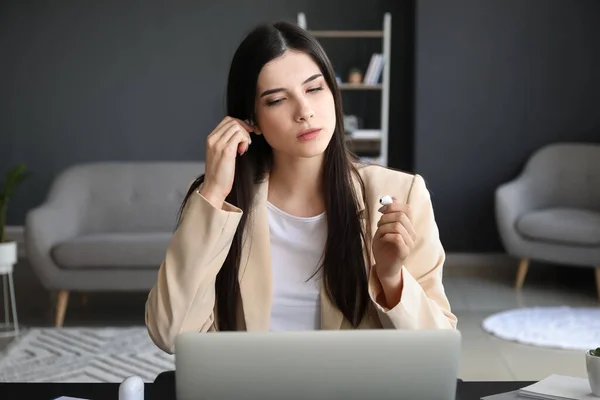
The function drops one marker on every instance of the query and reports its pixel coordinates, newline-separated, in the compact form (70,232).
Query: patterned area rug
(571,328)
(83,355)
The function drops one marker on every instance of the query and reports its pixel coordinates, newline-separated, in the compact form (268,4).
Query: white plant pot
(8,256)
(593,370)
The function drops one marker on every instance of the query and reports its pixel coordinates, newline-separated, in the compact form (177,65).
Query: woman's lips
(309,134)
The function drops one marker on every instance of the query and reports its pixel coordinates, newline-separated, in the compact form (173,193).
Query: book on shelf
(374,69)
(370,160)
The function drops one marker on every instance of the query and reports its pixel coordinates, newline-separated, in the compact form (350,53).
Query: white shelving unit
(385,35)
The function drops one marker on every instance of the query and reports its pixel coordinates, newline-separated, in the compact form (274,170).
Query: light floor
(487,358)
(474,294)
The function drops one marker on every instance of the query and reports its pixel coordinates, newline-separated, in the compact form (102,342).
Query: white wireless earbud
(132,388)
(385,200)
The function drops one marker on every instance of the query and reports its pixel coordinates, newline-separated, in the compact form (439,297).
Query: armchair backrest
(567,173)
(120,197)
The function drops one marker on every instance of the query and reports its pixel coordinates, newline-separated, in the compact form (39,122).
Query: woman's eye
(273,102)
(316,89)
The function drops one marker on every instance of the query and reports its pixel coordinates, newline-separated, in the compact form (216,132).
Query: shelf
(359,86)
(350,138)
(365,141)
(364,135)
(347,34)
(370,144)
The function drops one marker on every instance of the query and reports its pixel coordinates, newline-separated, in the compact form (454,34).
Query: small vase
(593,371)
(8,257)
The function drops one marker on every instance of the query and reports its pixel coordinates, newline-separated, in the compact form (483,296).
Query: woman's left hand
(394,239)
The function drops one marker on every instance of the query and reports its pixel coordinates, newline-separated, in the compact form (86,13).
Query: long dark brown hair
(343,262)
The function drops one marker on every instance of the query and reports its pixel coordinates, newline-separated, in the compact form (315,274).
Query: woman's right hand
(230,138)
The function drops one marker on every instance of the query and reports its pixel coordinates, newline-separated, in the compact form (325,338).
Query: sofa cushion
(568,226)
(114,250)
(127,197)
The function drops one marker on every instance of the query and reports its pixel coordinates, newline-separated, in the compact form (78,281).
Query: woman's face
(295,110)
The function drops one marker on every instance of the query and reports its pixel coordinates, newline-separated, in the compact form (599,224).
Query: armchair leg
(61,307)
(598,282)
(521,273)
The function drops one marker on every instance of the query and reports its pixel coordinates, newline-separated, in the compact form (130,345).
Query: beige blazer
(183,298)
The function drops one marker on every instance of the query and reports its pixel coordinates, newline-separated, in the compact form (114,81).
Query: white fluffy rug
(83,355)
(558,327)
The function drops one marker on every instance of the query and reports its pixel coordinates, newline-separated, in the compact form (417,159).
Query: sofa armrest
(45,227)
(513,199)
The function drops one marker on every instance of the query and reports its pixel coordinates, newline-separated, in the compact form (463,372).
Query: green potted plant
(592,361)
(8,250)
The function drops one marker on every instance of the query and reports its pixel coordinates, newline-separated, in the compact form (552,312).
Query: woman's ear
(256,130)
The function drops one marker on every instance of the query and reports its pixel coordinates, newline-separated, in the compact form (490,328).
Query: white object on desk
(559,387)
(69,398)
(132,388)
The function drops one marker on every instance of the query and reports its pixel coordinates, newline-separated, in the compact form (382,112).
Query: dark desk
(165,390)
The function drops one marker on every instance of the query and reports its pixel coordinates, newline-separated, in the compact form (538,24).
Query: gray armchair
(106,226)
(551,212)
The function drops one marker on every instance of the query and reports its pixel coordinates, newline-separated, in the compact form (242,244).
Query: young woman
(284,231)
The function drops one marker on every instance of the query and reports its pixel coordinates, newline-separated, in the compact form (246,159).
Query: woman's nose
(305,111)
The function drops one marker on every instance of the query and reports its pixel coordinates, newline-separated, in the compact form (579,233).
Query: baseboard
(499,260)
(478,264)
(455,262)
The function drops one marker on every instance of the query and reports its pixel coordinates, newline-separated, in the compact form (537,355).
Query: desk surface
(109,391)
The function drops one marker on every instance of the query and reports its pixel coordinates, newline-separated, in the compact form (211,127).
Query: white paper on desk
(69,398)
(514,395)
(559,387)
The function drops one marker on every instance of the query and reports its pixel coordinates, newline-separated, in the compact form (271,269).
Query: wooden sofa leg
(61,307)
(598,282)
(522,273)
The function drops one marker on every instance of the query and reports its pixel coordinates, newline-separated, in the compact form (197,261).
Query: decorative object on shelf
(8,251)
(375,79)
(355,76)
(351,123)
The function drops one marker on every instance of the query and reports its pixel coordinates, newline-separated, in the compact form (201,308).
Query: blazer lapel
(255,270)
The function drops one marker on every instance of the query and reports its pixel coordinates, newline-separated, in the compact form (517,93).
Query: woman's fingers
(398,217)
(396,228)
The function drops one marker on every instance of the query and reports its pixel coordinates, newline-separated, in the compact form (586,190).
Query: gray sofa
(551,211)
(106,226)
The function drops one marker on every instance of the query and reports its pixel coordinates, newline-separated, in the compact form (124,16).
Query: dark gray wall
(497,79)
(144,80)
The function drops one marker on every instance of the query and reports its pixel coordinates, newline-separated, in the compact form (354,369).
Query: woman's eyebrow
(271,91)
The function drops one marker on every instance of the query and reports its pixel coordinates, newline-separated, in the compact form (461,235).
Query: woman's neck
(295,186)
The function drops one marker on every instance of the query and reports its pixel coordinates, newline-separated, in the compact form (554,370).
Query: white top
(297,246)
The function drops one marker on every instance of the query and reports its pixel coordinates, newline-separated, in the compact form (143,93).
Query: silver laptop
(316,365)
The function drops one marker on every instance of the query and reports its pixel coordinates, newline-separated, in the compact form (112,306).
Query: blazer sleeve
(423,302)
(183,298)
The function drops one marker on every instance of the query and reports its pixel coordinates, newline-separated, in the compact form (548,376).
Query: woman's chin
(312,151)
